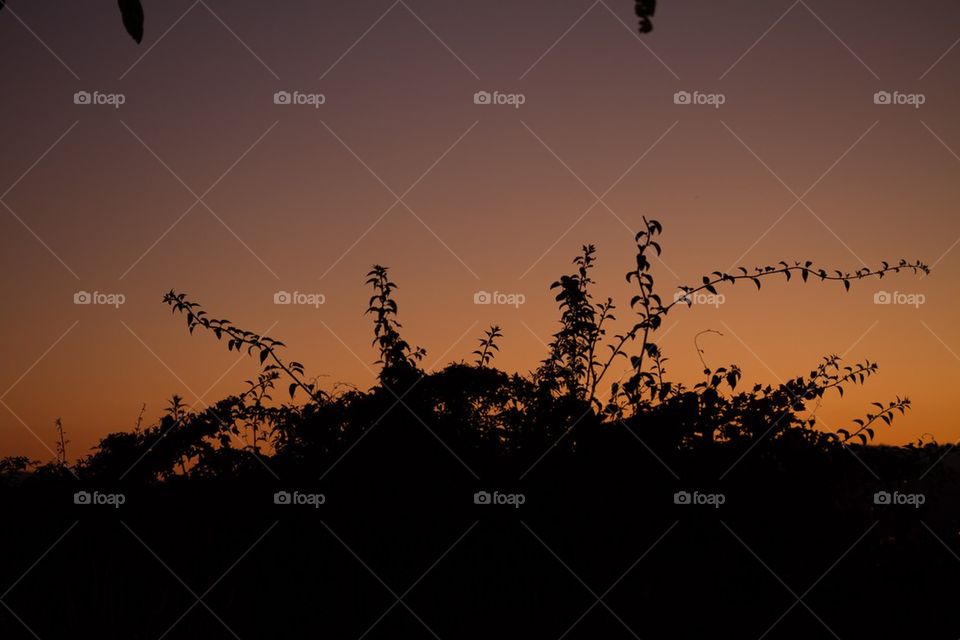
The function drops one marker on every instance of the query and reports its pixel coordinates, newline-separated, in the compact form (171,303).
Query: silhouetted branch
(238,339)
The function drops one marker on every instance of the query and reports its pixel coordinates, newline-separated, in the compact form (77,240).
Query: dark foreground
(399,549)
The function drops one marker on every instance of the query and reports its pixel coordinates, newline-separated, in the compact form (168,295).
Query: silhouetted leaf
(132,13)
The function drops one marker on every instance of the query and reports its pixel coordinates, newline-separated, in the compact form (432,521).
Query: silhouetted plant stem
(238,338)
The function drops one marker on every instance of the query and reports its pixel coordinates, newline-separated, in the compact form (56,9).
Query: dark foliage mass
(598,461)
(569,402)
(400,462)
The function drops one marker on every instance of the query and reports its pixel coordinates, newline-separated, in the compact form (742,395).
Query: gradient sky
(493,197)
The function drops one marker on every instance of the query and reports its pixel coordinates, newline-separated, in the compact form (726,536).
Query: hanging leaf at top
(132,13)
(645,11)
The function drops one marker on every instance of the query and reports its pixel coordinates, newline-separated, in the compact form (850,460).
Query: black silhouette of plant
(131,11)
(571,364)
(498,415)
(488,344)
(239,339)
(61,443)
(398,359)
(645,10)
(650,308)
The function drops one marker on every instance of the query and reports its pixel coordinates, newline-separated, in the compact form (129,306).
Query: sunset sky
(200,183)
